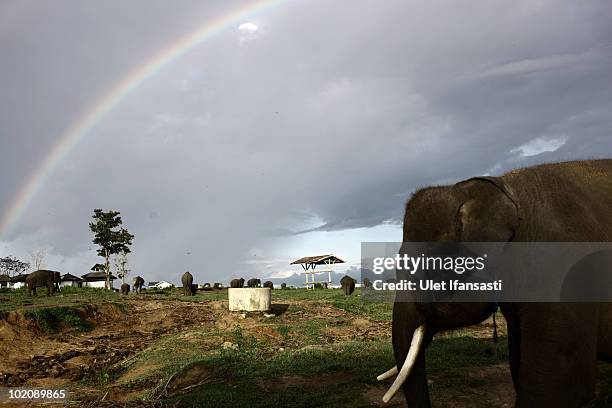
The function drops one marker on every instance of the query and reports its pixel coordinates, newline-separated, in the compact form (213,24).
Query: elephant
(43,278)
(254,283)
(366,283)
(283,285)
(187,281)
(348,285)
(57,278)
(217,286)
(137,284)
(125,288)
(553,347)
(268,284)
(237,283)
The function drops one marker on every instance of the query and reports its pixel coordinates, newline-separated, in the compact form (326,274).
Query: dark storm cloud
(326,118)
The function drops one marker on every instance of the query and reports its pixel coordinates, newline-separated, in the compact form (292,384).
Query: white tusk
(387,374)
(411,358)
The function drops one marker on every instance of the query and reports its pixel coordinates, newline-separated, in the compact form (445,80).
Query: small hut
(309,263)
(71,280)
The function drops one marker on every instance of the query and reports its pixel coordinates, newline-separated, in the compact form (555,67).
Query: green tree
(12,266)
(110,237)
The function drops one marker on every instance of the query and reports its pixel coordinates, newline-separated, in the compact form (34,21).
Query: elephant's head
(475,210)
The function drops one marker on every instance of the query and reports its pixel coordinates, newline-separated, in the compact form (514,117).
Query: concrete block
(249,299)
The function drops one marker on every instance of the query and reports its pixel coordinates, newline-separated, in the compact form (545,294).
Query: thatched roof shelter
(310,262)
(318,260)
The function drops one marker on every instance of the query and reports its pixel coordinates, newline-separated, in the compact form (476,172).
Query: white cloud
(248,27)
(534,65)
(248,32)
(539,145)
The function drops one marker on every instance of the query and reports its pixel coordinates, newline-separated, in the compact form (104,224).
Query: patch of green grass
(156,291)
(52,319)
(363,360)
(604,394)
(303,294)
(242,372)
(249,394)
(355,305)
(19,299)
(447,353)
(284,332)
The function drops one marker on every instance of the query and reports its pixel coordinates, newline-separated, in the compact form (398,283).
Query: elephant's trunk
(409,342)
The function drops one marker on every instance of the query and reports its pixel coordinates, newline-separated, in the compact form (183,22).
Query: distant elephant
(218,286)
(187,281)
(552,347)
(137,284)
(283,285)
(366,283)
(194,289)
(125,288)
(254,283)
(57,278)
(41,278)
(237,283)
(268,284)
(348,285)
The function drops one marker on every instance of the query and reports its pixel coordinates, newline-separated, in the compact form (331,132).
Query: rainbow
(80,128)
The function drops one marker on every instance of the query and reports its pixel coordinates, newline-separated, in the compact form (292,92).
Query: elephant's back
(569,201)
(38,275)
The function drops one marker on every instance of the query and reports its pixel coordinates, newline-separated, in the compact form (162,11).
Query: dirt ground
(97,364)
(36,358)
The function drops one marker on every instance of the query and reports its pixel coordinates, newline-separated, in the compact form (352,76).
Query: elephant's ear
(488,210)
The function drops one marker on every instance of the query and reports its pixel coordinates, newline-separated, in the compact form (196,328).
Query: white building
(97,279)
(18,281)
(160,285)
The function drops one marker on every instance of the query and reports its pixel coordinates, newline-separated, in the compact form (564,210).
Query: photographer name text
(431,285)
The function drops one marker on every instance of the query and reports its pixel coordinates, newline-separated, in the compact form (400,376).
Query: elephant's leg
(514,351)
(514,339)
(604,344)
(558,347)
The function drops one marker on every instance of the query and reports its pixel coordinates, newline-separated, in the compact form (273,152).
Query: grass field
(317,349)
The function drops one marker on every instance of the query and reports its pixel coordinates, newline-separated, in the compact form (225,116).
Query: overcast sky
(318,117)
